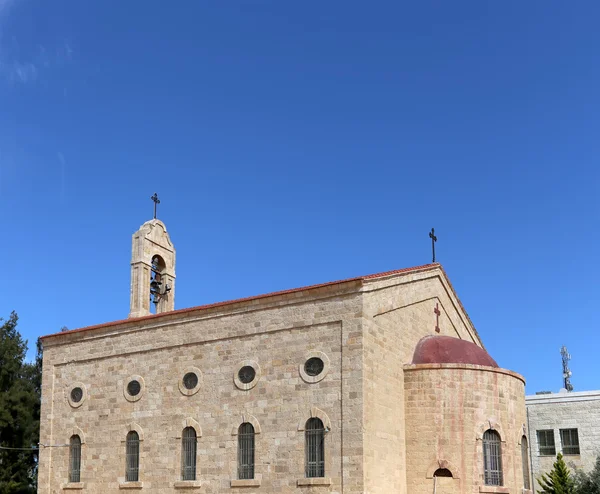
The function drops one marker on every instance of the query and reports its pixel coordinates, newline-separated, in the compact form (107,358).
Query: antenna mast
(566,372)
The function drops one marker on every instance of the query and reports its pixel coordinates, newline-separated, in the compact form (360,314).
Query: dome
(448,350)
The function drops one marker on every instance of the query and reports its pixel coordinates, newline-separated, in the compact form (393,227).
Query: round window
(76,394)
(314,366)
(247,374)
(134,387)
(190,380)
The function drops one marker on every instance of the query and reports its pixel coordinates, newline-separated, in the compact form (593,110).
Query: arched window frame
(492,458)
(189,448)
(132,456)
(246,451)
(314,434)
(75,459)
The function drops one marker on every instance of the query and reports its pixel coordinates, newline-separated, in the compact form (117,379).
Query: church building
(374,384)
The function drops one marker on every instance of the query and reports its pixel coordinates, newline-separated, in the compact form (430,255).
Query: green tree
(588,483)
(20,384)
(559,480)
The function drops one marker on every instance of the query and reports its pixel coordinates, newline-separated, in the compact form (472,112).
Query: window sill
(73,486)
(131,485)
(494,489)
(187,484)
(314,481)
(245,483)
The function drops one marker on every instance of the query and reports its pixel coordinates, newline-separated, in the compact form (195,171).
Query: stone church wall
(398,313)
(448,409)
(277,334)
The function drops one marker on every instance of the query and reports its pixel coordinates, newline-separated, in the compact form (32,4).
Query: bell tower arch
(152,270)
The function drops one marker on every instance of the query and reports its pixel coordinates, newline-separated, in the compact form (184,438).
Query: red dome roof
(448,350)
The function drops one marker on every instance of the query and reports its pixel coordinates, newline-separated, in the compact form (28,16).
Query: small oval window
(76,394)
(247,374)
(190,380)
(314,366)
(134,387)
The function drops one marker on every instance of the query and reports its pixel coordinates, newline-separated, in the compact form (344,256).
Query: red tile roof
(246,299)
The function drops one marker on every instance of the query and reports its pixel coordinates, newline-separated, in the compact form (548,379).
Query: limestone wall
(398,313)
(578,410)
(278,335)
(448,408)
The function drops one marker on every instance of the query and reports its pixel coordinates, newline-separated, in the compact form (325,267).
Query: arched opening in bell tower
(158,286)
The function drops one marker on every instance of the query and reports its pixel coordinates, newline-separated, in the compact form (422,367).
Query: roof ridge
(247,299)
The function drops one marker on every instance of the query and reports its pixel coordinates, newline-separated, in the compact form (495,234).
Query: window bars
(546,442)
(246,451)
(188,454)
(570,441)
(75,459)
(492,458)
(315,448)
(132,457)
(525,461)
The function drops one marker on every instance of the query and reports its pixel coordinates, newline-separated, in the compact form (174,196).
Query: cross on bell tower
(156,202)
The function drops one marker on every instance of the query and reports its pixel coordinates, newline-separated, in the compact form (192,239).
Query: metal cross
(437,318)
(433,241)
(156,201)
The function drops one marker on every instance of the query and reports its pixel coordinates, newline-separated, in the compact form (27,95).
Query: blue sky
(294,143)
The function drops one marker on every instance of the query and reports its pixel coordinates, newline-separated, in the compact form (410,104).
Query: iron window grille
(188,454)
(525,461)
(315,448)
(492,458)
(75,459)
(132,457)
(246,451)
(546,442)
(569,439)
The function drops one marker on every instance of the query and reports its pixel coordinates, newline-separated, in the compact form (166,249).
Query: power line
(19,449)
(33,448)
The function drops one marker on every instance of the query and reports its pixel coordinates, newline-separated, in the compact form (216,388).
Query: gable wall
(399,312)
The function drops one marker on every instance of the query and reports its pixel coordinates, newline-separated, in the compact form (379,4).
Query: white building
(564,423)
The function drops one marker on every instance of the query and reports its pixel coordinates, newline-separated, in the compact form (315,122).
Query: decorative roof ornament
(156,201)
(433,241)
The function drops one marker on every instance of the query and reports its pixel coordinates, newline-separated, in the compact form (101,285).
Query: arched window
(525,460)
(492,458)
(315,448)
(246,451)
(442,472)
(75,459)
(188,454)
(132,457)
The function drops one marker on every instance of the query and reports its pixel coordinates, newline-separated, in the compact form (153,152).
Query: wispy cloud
(4,5)
(15,68)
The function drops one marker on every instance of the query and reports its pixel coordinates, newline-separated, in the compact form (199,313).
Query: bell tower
(152,269)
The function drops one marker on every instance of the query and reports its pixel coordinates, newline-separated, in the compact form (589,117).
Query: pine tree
(559,480)
(19,412)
